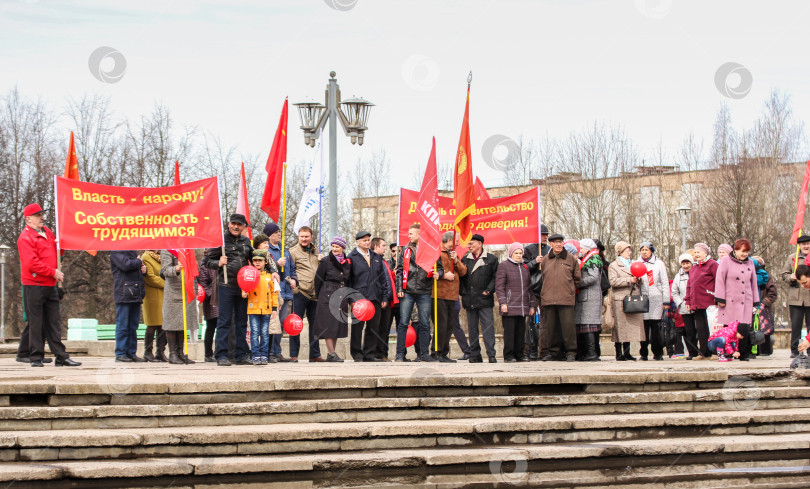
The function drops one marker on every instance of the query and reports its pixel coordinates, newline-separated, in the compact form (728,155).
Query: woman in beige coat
(628,327)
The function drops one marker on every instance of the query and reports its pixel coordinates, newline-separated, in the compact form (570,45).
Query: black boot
(174,348)
(627,355)
(160,346)
(580,347)
(619,354)
(148,341)
(590,349)
(597,345)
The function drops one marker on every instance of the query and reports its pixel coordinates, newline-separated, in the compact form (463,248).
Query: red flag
(177,172)
(271,199)
(190,271)
(72,163)
(799,223)
(427,213)
(242,201)
(463,188)
(480,190)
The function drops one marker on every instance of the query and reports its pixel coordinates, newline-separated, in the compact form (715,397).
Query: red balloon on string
(363,310)
(638,269)
(248,278)
(410,337)
(293,325)
(200,293)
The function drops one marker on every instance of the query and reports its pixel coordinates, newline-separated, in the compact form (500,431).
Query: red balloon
(410,337)
(293,325)
(248,278)
(638,269)
(363,310)
(200,293)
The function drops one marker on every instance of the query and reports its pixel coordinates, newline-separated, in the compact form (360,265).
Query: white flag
(311,199)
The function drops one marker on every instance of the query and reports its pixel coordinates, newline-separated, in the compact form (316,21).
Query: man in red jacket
(37,248)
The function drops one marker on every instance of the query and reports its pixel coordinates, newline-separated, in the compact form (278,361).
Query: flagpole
(283,212)
(56,226)
(795,260)
(183,287)
(435,310)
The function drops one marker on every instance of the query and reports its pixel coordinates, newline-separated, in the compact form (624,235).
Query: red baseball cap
(32,209)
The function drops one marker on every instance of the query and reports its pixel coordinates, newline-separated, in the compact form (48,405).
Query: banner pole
(283,212)
(56,225)
(435,310)
(795,260)
(185,320)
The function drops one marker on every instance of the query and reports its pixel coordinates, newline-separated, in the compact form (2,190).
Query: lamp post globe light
(354,122)
(684,212)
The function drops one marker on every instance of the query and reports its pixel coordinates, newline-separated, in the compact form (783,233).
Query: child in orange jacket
(262,307)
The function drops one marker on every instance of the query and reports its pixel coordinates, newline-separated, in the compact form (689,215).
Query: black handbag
(633,304)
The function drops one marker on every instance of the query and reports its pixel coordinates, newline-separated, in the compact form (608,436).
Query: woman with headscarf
(654,285)
(628,327)
(736,293)
(767,297)
(333,276)
(700,295)
(515,301)
(588,309)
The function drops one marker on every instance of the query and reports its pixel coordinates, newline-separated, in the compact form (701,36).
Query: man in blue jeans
(230,303)
(286,269)
(128,293)
(305,259)
(413,288)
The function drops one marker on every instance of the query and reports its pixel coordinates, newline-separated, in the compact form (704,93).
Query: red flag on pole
(480,190)
(186,256)
(72,163)
(427,213)
(271,199)
(177,172)
(242,206)
(799,223)
(463,188)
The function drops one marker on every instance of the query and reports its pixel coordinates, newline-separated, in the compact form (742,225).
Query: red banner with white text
(501,220)
(102,217)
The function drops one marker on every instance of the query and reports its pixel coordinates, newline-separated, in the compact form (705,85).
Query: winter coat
(128,286)
(797,295)
(238,250)
(208,280)
(588,308)
(173,296)
(658,292)
(418,281)
(679,285)
(700,287)
(331,314)
(306,264)
(263,300)
(370,278)
(736,287)
(512,289)
(288,272)
(153,300)
(449,289)
(729,333)
(37,257)
(480,278)
(626,327)
(561,278)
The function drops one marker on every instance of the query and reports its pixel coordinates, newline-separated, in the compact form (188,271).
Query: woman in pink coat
(736,292)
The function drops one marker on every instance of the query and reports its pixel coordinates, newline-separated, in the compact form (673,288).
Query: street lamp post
(684,213)
(354,122)
(3,250)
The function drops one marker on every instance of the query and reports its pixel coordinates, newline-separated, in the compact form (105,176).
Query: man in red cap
(37,248)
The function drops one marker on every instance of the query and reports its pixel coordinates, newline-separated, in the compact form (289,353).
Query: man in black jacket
(413,288)
(230,304)
(532,253)
(370,278)
(128,293)
(477,289)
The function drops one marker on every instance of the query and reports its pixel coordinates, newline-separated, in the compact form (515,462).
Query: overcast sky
(540,68)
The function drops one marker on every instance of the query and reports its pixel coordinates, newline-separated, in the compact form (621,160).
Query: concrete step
(197,441)
(10,350)
(722,461)
(389,409)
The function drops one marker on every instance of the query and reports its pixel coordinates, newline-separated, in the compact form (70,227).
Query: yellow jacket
(264,298)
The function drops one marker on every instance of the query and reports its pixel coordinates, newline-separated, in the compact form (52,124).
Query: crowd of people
(554,297)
